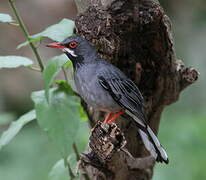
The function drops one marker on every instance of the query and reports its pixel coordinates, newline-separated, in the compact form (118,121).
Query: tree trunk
(134,35)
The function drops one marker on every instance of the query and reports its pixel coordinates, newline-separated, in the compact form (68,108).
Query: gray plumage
(89,87)
(105,87)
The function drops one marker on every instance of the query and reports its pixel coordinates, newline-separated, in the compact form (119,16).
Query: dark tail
(153,145)
(150,141)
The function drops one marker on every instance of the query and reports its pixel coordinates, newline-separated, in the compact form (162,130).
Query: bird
(106,88)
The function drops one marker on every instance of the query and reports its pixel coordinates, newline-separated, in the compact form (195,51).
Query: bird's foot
(108,117)
(112,116)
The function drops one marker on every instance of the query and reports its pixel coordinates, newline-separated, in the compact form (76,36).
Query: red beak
(55,45)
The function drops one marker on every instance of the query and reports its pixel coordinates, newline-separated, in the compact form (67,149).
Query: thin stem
(26,33)
(13,24)
(66,164)
(34,68)
(74,146)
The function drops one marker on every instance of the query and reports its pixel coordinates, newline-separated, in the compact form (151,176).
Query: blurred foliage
(56,32)
(57,110)
(59,116)
(14,61)
(5,18)
(52,69)
(31,156)
(15,127)
(183,135)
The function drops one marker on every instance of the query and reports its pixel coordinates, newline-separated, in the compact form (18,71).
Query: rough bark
(136,37)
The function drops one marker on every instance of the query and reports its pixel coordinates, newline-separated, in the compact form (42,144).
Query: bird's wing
(128,96)
(125,93)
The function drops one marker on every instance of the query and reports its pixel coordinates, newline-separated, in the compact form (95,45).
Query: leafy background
(31,155)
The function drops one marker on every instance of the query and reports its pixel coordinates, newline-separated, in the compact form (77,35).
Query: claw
(115,117)
(108,117)
(112,116)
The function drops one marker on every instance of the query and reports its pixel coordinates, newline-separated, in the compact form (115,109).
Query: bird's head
(77,49)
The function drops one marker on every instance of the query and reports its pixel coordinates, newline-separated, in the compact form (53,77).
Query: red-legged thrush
(105,87)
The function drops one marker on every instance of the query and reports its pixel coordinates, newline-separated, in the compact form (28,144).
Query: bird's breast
(89,88)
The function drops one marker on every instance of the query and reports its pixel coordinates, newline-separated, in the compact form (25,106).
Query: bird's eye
(73,44)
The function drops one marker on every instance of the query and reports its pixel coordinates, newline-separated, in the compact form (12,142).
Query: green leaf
(60,117)
(56,32)
(5,18)
(82,138)
(83,114)
(15,127)
(51,70)
(60,172)
(6,118)
(67,64)
(14,61)
(26,43)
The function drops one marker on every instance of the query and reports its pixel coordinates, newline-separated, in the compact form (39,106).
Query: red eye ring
(73,44)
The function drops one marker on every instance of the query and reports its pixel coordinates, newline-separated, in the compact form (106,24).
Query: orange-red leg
(108,117)
(115,117)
